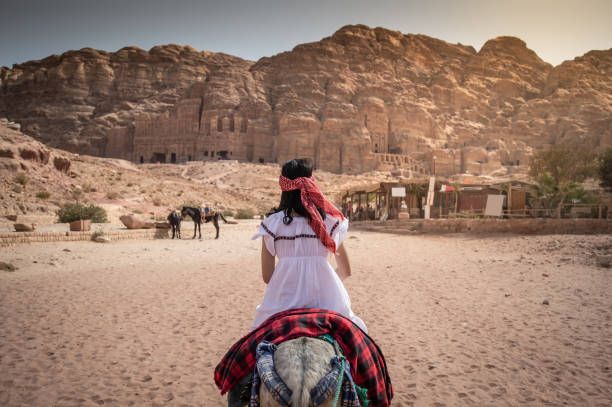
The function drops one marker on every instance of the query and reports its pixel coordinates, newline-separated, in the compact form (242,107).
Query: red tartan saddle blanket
(367,362)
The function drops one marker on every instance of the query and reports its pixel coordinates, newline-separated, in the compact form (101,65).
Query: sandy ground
(460,318)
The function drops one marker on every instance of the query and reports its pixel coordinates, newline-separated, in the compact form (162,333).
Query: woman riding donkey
(304,297)
(302,231)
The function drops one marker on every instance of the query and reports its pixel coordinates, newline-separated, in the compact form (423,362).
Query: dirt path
(462,320)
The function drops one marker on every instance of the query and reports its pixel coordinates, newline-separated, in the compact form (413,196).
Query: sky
(34,29)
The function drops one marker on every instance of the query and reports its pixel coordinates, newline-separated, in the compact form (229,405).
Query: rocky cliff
(361,99)
(72,100)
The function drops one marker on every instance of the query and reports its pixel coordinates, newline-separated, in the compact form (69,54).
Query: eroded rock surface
(70,101)
(358,100)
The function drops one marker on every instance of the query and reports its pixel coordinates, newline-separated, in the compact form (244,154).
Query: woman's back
(297,239)
(303,277)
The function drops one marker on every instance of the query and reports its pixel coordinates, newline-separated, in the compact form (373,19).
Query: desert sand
(461,319)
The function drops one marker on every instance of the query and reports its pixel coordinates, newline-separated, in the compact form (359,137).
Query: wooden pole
(456,188)
(388,203)
(509,200)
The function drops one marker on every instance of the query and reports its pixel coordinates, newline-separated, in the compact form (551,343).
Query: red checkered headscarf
(311,199)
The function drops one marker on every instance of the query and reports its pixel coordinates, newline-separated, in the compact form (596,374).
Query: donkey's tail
(223,217)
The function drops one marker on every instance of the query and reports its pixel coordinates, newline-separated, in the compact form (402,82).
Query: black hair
(291,201)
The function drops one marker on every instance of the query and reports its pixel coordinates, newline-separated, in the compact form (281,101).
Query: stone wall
(7,239)
(527,226)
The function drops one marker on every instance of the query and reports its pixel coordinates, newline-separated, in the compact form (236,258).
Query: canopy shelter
(471,199)
(516,196)
(384,201)
(363,203)
(392,200)
(407,199)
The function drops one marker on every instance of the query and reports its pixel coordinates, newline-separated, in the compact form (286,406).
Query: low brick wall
(7,239)
(526,226)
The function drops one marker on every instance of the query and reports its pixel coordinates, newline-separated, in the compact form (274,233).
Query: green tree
(605,169)
(559,172)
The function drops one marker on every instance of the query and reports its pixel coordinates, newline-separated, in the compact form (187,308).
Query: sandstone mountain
(72,100)
(359,100)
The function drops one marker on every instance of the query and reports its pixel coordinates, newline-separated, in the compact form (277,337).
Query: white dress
(303,276)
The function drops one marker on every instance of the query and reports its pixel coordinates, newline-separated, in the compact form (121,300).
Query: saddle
(207,213)
(366,362)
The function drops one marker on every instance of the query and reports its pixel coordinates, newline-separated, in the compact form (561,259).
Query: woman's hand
(342,260)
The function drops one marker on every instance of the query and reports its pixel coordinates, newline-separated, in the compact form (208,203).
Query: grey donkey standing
(301,363)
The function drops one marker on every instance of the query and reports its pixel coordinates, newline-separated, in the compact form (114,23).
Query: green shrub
(17,189)
(245,213)
(228,213)
(43,194)
(21,178)
(71,212)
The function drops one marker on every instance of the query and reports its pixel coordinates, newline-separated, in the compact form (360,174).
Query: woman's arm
(342,260)
(267,263)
